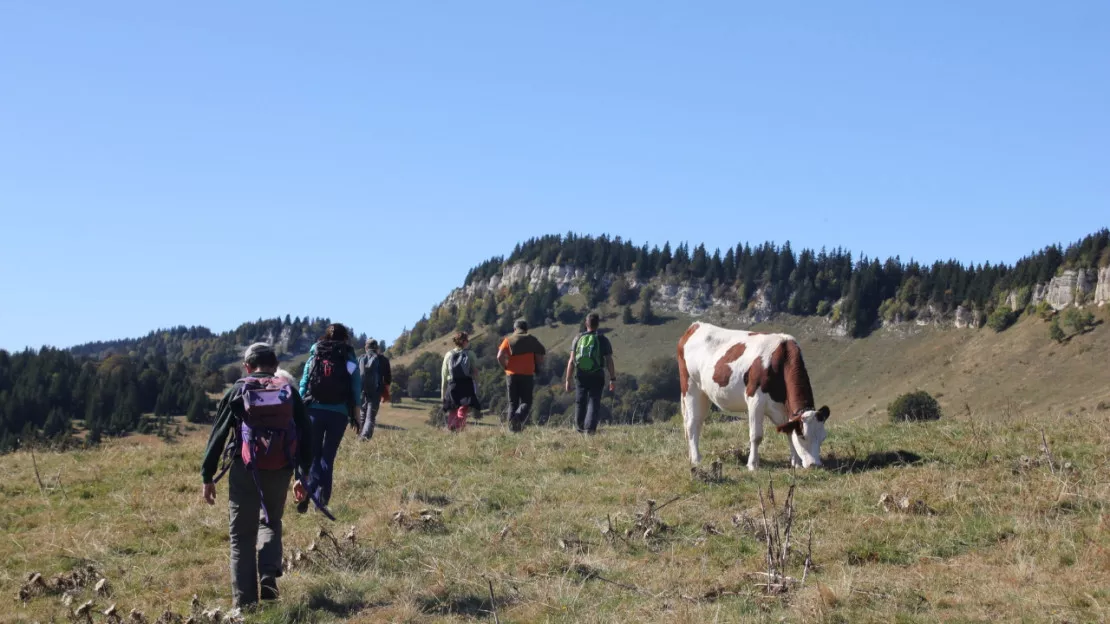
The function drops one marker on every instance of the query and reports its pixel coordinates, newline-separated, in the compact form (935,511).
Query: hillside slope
(992,374)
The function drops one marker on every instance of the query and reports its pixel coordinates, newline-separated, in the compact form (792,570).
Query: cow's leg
(756,405)
(695,406)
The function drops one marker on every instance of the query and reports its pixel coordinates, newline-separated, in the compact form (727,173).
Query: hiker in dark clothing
(590,356)
(256,496)
(520,354)
(331,386)
(459,383)
(376,379)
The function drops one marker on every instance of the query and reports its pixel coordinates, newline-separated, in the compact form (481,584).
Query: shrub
(1054,331)
(1078,319)
(824,307)
(914,406)
(1001,318)
(626,316)
(567,313)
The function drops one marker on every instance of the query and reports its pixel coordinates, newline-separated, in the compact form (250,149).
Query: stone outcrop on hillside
(1079,286)
(1102,286)
(1074,287)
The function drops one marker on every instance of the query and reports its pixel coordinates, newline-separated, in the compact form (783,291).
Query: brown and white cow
(763,373)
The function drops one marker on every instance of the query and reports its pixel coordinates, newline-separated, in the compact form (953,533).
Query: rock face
(966,317)
(562,276)
(1073,287)
(1102,286)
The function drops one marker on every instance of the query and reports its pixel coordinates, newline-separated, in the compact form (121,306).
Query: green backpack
(587,355)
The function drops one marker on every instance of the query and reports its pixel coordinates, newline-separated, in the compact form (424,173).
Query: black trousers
(520,399)
(587,408)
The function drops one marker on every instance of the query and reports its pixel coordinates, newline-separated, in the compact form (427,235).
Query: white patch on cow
(702,351)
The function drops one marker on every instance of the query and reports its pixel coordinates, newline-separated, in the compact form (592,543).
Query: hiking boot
(269,590)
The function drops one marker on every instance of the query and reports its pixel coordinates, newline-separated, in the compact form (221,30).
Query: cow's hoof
(753,467)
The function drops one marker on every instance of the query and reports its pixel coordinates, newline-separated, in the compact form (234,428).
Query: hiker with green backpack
(591,356)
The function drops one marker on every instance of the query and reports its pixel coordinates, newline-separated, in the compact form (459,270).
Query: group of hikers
(272,429)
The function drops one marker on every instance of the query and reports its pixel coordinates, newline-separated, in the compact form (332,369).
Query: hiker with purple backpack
(270,441)
(332,388)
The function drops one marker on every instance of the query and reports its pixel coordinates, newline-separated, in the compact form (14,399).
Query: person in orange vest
(520,354)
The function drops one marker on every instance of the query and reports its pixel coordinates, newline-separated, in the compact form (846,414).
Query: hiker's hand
(566,386)
(210,493)
(612,386)
(299,491)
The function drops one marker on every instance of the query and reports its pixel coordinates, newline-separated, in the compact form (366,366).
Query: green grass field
(978,523)
(999,534)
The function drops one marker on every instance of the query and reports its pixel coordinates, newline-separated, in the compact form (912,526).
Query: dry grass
(1011,538)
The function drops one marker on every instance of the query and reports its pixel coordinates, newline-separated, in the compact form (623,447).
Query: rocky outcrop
(1102,286)
(1072,287)
(966,317)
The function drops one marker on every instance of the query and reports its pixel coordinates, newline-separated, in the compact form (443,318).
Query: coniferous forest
(121,386)
(855,291)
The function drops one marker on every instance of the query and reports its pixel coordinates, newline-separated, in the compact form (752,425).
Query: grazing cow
(763,372)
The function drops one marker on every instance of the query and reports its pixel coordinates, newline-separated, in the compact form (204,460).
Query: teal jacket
(356,384)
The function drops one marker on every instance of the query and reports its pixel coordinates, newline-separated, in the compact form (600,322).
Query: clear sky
(208,163)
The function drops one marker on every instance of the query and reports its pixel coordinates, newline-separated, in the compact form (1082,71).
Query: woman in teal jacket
(329,395)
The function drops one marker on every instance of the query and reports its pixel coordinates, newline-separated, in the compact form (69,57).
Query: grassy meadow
(979,525)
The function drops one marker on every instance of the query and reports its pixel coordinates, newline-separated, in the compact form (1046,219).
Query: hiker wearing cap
(376,379)
(520,354)
(270,438)
(331,386)
(458,378)
(591,356)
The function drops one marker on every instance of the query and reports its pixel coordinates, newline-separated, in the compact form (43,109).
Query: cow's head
(807,432)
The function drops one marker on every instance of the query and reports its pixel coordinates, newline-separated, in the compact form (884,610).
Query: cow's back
(716,359)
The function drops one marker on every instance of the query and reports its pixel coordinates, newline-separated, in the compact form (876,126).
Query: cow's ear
(823,413)
(793,426)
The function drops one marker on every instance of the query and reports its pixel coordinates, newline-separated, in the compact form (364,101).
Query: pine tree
(198,409)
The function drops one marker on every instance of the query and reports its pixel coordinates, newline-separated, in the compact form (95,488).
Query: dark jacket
(227,420)
(383,368)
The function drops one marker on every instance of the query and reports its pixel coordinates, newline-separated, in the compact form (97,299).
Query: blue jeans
(327,432)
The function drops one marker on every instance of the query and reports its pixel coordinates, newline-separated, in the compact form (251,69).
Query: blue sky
(210,163)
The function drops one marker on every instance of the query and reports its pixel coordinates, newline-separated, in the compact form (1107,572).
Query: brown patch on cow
(722,372)
(785,379)
(799,392)
(751,333)
(768,379)
(683,372)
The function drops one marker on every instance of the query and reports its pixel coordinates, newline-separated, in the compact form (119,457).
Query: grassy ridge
(1011,539)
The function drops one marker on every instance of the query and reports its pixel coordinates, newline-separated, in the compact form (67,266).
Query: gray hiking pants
(255,544)
(369,416)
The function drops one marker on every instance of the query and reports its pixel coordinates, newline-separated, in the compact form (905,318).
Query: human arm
(503,355)
(566,377)
(303,386)
(304,437)
(217,442)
